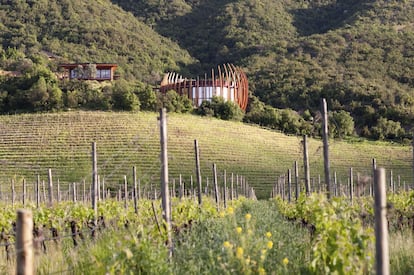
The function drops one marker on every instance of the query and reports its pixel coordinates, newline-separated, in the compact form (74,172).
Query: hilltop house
(90,71)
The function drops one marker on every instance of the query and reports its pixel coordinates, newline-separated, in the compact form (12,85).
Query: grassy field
(32,143)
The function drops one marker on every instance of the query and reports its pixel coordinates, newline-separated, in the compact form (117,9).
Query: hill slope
(89,31)
(30,144)
(357,54)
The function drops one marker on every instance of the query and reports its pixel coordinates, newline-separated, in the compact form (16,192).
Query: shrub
(124,98)
(173,102)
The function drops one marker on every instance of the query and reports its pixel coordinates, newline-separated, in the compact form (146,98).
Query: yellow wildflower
(227,244)
(262,271)
(248,217)
(221,214)
(230,210)
(263,251)
(269,244)
(268,234)
(239,230)
(249,232)
(285,261)
(239,253)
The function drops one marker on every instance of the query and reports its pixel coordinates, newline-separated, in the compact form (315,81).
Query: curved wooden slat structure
(230,83)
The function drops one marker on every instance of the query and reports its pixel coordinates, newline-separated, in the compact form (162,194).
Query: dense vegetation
(357,54)
(310,236)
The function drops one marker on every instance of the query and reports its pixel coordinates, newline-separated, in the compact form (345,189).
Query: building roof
(98,65)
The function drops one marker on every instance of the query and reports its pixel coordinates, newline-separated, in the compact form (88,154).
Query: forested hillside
(89,31)
(357,54)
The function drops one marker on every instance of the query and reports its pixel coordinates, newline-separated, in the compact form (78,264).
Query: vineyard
(310,236)
(49,166)
(30,144)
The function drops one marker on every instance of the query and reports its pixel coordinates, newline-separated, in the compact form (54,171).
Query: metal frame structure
(230,82)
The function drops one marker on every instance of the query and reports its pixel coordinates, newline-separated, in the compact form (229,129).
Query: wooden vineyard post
(94,185)
(24,192)
(216,191)
(326,147)
(412,181)
(180,190)
(164,178)
(99,188)
(50,186)
(198,172)
(351,184)
(84,190)
(58,191)
(37,193)
(237,187)
(225,190)
(134,179)
(289,185)
(306,165)
(335,185)
(103,193)
(173,188)
(74,192)
(381,227)
(24,243)
(297,184)
(13,192)
(232,187)
(374,167)
(125,192)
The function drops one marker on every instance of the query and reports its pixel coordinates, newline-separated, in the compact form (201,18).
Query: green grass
(211,247)
(401,252)
(32,143)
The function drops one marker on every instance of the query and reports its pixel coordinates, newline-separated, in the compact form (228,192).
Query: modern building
(90,71)
(228,82)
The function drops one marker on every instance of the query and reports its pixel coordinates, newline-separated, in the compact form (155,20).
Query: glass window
(104,74)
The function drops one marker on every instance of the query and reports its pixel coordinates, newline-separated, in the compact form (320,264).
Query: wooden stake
(164,178)
(325,136)
(381,229)
(306,165)
(198,172)
(50,188)
(24,243)
(134,179)
(216,191)
(94,185)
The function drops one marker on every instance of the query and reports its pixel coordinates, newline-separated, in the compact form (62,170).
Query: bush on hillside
(219,108)
(173,102)
(147,96)
(123,97)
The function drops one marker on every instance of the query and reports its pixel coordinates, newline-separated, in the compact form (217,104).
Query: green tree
(387,129)
(38,95)
(173,102)
(341,124)
(147,96)
(205,109)
(124,98)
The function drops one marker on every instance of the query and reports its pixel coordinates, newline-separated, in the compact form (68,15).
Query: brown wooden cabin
(90,71)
